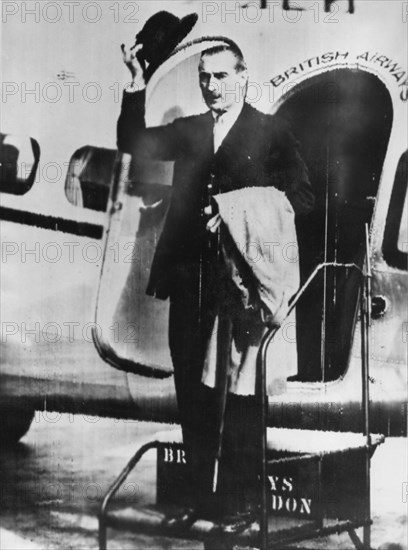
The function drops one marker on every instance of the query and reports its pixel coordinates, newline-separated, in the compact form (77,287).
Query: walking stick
(222,367)
(224,334)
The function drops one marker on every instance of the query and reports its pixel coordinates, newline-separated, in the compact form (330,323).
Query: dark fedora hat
(160,35)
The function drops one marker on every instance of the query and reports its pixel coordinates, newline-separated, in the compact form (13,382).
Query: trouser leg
(190,325)
(239,488)
(188,334)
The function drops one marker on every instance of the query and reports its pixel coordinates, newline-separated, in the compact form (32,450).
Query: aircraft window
(19,158)
(395,246)
(89,176)
(342,119)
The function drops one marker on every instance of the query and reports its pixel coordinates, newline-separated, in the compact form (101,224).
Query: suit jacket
(259,150)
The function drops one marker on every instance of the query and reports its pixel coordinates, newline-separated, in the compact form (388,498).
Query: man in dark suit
(232,146)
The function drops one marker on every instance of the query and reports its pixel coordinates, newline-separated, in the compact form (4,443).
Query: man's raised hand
(133,64)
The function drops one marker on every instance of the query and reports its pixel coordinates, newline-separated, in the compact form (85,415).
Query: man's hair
(230,47)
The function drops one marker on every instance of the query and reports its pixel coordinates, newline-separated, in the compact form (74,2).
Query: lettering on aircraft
(377,60)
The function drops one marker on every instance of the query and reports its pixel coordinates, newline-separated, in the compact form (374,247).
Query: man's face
(221,85)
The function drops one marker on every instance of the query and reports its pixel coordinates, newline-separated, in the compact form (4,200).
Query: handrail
(365,373)
(113,489)
(306,284)
(261,387)
(124,474)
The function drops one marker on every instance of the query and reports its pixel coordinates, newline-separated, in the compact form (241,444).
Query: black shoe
(217,545)
(230,526)
(235,524)
(182,520)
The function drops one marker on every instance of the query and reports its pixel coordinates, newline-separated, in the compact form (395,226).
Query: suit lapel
(241,139)
(203,137)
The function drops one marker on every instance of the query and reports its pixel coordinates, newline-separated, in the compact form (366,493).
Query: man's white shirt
(224,122)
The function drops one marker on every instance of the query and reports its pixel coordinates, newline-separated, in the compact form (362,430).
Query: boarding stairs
(329,472)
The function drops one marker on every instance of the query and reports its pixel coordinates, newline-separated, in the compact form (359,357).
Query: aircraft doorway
(343,120)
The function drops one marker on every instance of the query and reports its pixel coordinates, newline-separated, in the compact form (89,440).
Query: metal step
(282,530)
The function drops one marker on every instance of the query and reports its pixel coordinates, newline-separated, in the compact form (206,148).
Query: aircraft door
(130,325)
(131,329)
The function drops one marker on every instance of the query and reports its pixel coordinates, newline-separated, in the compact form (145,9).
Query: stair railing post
(365,372)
